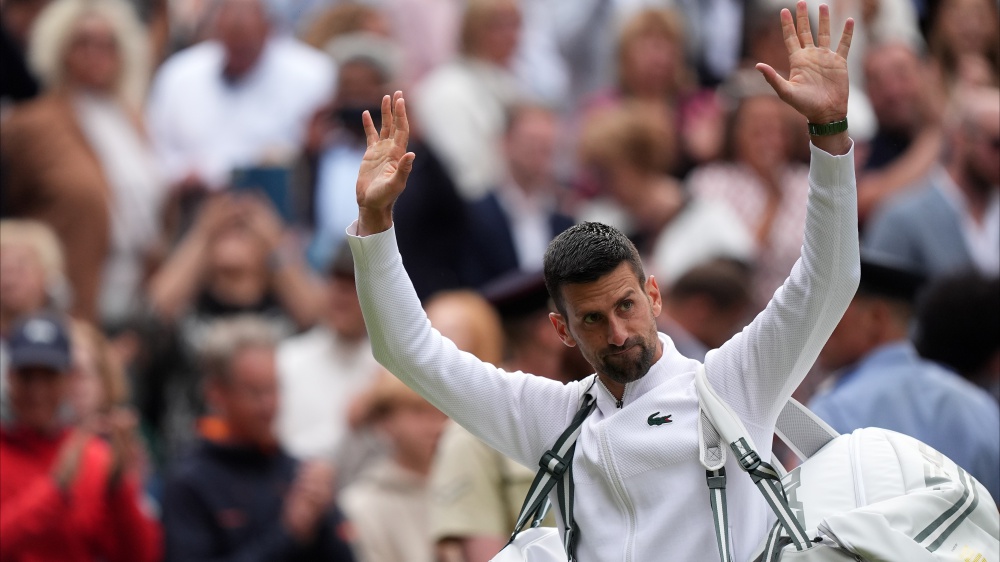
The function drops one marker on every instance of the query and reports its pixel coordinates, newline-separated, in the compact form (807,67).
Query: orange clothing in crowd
(39,523)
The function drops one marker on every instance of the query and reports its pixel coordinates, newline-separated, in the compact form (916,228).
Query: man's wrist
(836,145)
(373,221)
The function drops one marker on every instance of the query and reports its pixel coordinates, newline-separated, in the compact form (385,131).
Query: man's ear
(559,323)
(653,293)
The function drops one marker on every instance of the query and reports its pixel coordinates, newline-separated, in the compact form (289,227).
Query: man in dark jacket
(237,496)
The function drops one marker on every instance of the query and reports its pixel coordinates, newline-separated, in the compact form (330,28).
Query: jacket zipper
(619,489)
(619,402)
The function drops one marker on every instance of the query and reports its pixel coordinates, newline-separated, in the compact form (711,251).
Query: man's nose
(617,333)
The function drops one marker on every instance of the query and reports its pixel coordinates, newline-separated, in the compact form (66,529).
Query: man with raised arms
(640,489)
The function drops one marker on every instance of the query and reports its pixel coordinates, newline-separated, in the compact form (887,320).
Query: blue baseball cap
(39,340)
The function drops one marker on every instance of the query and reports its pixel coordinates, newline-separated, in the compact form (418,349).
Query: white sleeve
(756,371)
(517,414)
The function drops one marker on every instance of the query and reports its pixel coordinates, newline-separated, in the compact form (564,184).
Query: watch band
(828,128)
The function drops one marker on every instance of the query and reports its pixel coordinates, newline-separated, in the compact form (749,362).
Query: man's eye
(591,318)
(627,305)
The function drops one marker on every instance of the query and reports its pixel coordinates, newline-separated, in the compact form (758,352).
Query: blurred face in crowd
(247,399)
(894,78)
(22,280)
(613,321)
(36,396)
(93,60)
(344,316)
(855,335)
(242,28)
(237,267)
(360,87)
(497,34)
(649,65)
(530,146)
(967,26)
(414,427)
(760,133)
(982,148)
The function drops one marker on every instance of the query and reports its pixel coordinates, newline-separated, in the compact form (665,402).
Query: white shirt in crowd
(137,194)
(641,492)
(319,374)
(204,126)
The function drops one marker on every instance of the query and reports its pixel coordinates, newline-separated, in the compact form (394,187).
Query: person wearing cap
(65,494)
(879,379)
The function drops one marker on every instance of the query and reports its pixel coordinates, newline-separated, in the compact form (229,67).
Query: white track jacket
(641,493)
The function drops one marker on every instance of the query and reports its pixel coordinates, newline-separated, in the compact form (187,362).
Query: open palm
(385,166)
(817,84)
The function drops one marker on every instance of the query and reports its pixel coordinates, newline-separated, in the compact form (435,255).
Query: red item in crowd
(40,523)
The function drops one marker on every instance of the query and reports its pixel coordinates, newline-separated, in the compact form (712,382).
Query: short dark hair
(958,322)
(583,254)
(725,282)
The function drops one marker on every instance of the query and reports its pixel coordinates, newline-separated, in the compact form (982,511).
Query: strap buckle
(553,464)
(748,460)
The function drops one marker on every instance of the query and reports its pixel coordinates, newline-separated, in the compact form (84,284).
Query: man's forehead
(606,290)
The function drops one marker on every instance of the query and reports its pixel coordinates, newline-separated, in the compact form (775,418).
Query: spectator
(237,495)
(65,495)
(963,37)
(78,159)
(388,504)
(234,260)
(958,326)
(880,381)
(477,492)
(32,277)
(341,19)
(511,226)
(706,306)
(651,67)
(763,186)
(952,221)
(31,281)
(428,35)
(242,99)
(461,106)
(909,139)
(367,68)
(323,370)
(628,148)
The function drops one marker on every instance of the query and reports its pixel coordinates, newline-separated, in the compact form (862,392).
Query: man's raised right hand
(385,166)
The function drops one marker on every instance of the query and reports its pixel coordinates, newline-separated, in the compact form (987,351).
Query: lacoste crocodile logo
(653,420)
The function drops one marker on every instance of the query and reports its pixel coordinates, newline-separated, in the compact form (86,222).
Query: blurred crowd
(185,367)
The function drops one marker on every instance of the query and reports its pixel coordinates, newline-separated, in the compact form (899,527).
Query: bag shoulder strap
(765,477)
(556,467)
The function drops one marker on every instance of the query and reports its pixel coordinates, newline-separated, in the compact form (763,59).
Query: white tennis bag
(871,495)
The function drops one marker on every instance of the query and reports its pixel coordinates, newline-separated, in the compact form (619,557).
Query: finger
(823,34)
(788,32)
(845,38)
(371,135)
(802,17)
(779,84)
(401,124)
(386,118)
(403,168)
